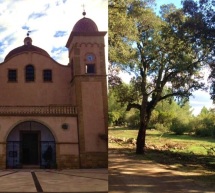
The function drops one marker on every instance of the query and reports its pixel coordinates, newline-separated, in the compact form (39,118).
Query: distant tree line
(168,116)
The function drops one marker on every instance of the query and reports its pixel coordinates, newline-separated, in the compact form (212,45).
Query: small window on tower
(47,75)
(12,75)
(90,68)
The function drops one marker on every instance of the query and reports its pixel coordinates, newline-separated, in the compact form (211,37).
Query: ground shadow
(185,159)
(129,173)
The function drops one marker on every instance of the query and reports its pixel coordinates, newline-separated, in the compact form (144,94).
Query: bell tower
(89,91)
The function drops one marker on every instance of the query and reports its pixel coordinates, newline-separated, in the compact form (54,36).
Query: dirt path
(127,175)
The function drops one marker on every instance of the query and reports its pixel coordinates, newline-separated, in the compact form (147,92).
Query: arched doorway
(31,144)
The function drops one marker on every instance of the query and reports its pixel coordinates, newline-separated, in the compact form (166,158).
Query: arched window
(29,73)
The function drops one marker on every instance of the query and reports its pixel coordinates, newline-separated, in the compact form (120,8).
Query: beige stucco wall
(38,92)
(2,149)
(93,117)
(53,123)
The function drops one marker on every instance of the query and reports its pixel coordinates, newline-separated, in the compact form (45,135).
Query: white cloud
(44,19)
(201,99)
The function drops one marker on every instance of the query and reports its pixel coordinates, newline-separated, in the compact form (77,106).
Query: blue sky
(50,23)
(177,3)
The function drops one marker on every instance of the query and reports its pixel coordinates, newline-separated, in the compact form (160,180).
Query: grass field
(171,149)
(184,153)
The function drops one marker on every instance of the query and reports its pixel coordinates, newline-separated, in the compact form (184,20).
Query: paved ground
(127,175)
(38,180)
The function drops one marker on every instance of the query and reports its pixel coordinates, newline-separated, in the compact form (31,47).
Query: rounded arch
(28,120)
(30,142)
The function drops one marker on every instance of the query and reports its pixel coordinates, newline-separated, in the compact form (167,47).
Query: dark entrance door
(30,148)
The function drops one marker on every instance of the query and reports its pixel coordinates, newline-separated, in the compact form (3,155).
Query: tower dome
(85,25)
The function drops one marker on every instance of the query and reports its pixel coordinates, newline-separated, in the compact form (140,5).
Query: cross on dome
(28,33)
(84,12)
(28,40)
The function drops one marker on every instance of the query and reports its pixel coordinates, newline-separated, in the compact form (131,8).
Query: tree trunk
(141,138)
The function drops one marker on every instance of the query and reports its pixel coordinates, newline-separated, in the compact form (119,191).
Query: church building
(54,115)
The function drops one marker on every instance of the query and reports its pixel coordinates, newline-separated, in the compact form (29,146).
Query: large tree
(159,54)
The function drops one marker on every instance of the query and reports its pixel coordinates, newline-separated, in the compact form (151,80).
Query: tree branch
(173,94)
(133,105)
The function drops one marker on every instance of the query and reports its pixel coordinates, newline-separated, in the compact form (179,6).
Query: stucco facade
(54,115)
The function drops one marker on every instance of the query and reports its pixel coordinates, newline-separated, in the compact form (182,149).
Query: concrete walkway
(38,180)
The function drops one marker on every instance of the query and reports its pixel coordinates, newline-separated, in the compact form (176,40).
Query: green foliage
(205,123)
(116,112)
(126,93)
(205,131)
(161,127)
(179,127)
(120,26)
(167,114)
(200,25)
(133,119)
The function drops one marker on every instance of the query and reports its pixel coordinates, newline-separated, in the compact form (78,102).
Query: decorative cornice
(55,110)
